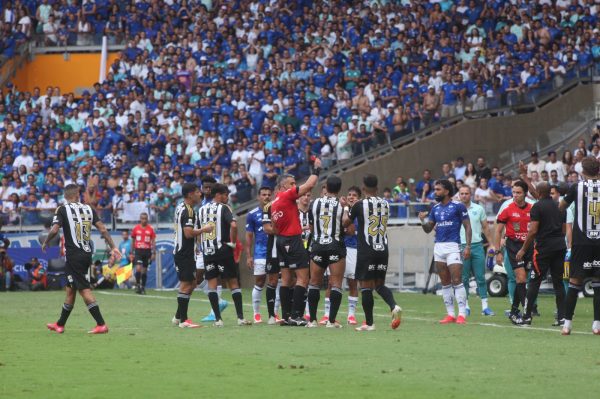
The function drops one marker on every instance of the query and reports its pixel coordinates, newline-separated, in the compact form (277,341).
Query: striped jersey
(304,222)
(220,217)
(271,247)
(325,216)
(76,220)
(372,214)
(586,223)
(184,248)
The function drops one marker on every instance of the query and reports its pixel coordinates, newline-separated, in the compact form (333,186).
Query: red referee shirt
(284,213)
(516,220)
(143,237)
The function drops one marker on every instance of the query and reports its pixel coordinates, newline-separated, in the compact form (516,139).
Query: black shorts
(186,268)
(512,247)
(77,269)
(371,265)
(142,257)
(585,261)
(291,252)
(220,264)
(272,261)
(544,261)
(325,255)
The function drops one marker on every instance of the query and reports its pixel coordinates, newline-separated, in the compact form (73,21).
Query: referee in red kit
(290,247)
(144,245)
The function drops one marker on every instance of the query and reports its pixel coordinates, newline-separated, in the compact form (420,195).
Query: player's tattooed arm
(53,233)
(427,225)
(108,240)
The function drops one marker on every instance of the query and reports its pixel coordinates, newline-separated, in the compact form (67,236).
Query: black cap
(534,153)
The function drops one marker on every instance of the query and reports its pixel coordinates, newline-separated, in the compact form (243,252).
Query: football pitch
(144,356)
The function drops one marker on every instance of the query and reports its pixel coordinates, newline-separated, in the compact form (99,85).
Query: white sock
(352,304)
(596,325)
(256,296)
(468,304)
(448,295)
(568,324)
(277,301)
(461,298)
(327,305)
(219,291)
(484,303)
(204,287)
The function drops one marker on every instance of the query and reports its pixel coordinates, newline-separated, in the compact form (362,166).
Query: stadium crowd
(244,91)
(490,187)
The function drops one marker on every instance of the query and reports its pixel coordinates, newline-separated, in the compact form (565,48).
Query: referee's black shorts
(514,246)
(291,252)
(142,257)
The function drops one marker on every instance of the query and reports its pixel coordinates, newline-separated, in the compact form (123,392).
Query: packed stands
(244,91)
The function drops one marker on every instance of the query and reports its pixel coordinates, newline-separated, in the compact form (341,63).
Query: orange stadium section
(74,74)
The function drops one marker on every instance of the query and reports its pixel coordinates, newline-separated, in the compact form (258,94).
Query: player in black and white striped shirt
(76,220)
(327,249)
(184,249)
(585,247)
(372,213)
(218,248)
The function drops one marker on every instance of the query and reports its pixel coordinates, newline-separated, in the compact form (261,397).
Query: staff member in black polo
(547,226)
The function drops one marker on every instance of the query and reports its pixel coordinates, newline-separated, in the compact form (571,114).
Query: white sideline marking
(528,328)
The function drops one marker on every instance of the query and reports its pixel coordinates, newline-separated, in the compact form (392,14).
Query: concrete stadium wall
(492,138)
(79,71)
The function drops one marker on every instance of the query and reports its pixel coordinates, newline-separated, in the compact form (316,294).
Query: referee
(290,247)
(585,249)
(547,226)
(76,220)
(144,244)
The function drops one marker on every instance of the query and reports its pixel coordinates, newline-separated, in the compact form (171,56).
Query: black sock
(571,301)
(596,287)
(138,277)
(285,297)
(367,304)
(387,296)
(520,293)
(95,312)
(236,295)
(531,295)
(299,306)
(183,301)
(271,294)
(64,314)
(144,279)
(213,297)
(335,300)
(314,294)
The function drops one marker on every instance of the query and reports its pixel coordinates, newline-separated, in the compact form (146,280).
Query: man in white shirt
(47,205)
(554,164)
(535,165)
(256,158)
(24,159)
(240,155)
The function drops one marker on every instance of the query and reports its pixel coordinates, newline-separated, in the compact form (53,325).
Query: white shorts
(350,263)
(447,252)
(199,261)
(260,268)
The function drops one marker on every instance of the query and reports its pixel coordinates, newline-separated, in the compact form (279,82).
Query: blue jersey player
(257,261)
(447,217)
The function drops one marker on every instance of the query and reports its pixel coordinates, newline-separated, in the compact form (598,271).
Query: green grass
(144,356)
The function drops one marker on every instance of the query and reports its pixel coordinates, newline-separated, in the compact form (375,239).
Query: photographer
(37,275)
